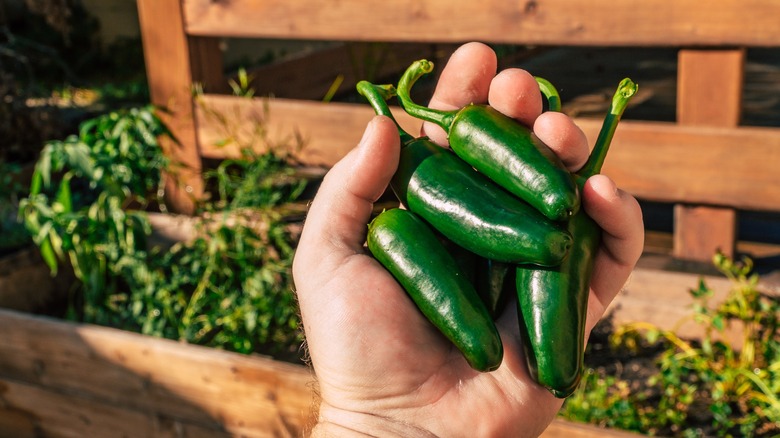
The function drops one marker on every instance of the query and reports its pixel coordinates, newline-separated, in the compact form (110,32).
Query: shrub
(228,288)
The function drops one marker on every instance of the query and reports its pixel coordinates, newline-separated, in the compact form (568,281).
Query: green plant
(82,186)
(728,388)
(228,287)
(12,232)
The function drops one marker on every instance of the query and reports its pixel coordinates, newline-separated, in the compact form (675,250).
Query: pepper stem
(625,91)
(377,96)
(410,76)
(550,93)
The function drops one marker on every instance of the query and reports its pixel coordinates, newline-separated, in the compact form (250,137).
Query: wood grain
(709,93)
(149,378)
(655,161)
(543,22)
(168,65)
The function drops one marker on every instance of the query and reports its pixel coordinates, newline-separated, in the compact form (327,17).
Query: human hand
(382,368)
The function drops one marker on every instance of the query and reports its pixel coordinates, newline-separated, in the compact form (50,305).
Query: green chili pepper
(408,248)
(495,283)
(553,302)
(464,205)
(501,148)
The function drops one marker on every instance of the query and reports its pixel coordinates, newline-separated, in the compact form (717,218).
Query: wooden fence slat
(543,22)
(656,161)
(167,55)
(197,385)
(709,93)
(309,77)
(33,411)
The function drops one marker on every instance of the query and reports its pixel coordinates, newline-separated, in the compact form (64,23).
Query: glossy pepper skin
(495,283)
(409,249)
(553,302)
(500,148)
(464,205)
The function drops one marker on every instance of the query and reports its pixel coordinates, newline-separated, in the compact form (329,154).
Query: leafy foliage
(735,387)
(228,288)
(12,232)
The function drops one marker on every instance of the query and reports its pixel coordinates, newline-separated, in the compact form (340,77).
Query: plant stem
(410,76)
(377,96)
(625,91)
(550,93)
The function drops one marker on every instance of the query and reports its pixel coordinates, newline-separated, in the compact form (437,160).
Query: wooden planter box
(62,379)
(59,379)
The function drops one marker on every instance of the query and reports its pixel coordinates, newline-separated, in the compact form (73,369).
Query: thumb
(335,226)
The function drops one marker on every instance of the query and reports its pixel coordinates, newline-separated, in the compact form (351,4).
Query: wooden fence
(688,162)
(64,380)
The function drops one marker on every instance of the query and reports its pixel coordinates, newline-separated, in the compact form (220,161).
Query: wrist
(333,422)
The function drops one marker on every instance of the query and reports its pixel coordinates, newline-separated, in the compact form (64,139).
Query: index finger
(464,79)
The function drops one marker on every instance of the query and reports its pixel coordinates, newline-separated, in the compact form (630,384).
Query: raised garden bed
(59,379)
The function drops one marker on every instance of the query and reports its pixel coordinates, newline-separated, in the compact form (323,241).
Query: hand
(382,368)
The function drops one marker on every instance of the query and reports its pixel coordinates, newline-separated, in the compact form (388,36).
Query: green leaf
(718,322)
(37,182)
(48,255)
(64,197)
(652,336)
(702,290)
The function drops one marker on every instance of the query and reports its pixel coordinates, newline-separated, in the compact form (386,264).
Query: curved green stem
(550,93)
(625,91)
(410,76)
(377,96)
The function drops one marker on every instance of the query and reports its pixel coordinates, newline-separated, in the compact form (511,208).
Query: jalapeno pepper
(553,302)
(500,148)
(464,205)
(409,249)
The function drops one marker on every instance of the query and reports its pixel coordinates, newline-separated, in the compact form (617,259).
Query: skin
(382,369)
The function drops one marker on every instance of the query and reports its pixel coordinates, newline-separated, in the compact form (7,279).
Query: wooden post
(174,62)
(709,93)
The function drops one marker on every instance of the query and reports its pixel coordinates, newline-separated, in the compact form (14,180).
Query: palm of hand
(382,356)
(376,357)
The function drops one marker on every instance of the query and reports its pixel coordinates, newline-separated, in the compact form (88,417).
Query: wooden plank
(701,231)
(709,87)
(206,64)
(33,411)
(169,69)
(655,161)
(310,77)
(659,296)
(245,395)
(709,93)
(541,22)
